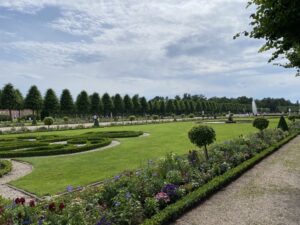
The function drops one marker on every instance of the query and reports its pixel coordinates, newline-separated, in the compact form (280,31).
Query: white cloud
(149,47)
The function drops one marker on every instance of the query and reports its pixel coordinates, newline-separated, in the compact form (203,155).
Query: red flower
(22,200)
(51,206)
(32,203)
(1,210)
(17,201)
(61,206)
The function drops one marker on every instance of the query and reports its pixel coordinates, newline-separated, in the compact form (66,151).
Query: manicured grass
(53,174)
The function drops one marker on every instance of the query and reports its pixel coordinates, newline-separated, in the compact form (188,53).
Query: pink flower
(162,196)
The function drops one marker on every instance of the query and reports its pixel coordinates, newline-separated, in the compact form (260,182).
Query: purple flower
(69,188)
(103,221)
(117,177)
(170,189)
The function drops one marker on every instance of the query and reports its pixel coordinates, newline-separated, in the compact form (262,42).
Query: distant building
(16,113)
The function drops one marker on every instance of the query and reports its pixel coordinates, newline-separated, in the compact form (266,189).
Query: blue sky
(153,47)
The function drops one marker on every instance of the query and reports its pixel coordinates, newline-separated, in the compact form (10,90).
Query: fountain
(254,108)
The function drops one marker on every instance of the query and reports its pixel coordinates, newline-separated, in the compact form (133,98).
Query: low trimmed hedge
(6,146)
(56,150)
(174,211)
(5,167)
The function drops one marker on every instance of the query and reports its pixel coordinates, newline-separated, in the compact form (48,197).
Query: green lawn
(53,174)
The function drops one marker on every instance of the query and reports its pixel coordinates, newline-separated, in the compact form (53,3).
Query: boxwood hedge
(5,167)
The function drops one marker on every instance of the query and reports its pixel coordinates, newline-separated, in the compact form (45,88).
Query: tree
(127,104)
(260,123)
(202,136)
(144,105)
(95,103)
(107,104)
(34,100)
(162,107)
(136,104)
(9,99)
(83,103)
(48,121)
(118,105)
(66,102)
(51,103)
(20,101)
(278,23)
(170,108)
(282,124)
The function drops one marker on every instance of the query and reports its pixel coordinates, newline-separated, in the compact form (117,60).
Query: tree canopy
(278,23)
(34,100)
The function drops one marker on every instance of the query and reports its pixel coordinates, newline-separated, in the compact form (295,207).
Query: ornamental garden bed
(25,146)
(157,193)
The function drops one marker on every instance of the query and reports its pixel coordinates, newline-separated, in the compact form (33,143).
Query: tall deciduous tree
(34,100)
(107,104)
(20,101)
(9,99)
(144,105)
(51,103)
(136,104)
(278,23)
(118,105)
(127,104)
(95,104)
(66,102)
(83,103)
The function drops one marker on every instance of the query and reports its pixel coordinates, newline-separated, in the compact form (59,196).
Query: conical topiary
(282,124)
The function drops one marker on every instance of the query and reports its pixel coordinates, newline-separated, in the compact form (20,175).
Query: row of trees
(52,105)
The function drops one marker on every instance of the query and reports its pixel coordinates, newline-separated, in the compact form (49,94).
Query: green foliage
(278,23)
(107,104)
(66,102)
(5,167)
(118,105)
(51,103)
(260,123)
(66,119)
(292,118)
(132,118)
(9,98)
(136,104)
(48,121)
(95,104)
(191,115)
(83,103)
(155,117)
(202,136)
(34,100)
(127,104)
(282,124)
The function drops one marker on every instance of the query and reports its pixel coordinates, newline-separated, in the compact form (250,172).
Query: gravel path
(19,170)
(268,194)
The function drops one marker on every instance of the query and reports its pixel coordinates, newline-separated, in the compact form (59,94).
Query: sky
(146,47)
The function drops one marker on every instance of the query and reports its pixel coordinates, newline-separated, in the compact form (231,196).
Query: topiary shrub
(191,115)
(202,136)
(292,118)
(48,121)
(66,119)
(131,118)
(155,117)
(282,124)
(260,123)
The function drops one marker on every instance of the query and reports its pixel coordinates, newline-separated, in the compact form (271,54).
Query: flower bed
(156,194)
(5,167)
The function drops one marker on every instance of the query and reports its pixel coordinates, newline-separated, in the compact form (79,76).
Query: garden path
(19,169)
(268,194)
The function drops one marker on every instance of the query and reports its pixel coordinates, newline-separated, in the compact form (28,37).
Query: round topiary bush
(132,118)
(48,121)
(202,136)
(260,123)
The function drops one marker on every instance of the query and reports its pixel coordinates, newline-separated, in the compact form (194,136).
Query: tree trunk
(10,115)
(205,152)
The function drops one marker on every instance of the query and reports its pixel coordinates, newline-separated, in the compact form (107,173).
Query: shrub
(260,123)
(132,118)
(202,136)
(66,119)
(5,167)
(282,124)
(191,115)
(48,121)
(155,117)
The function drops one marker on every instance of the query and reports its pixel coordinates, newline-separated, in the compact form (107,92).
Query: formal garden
(147,179)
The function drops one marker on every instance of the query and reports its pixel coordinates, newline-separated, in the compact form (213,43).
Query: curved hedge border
(5,167)
(174,211)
